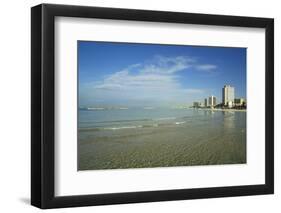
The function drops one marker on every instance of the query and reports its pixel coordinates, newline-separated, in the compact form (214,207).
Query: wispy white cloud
(124,80)
(168,65)
(206,67)
(154,80)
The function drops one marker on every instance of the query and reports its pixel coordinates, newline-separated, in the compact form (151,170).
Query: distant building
(205,102)
(212,101)
(196,104)
(228,94)
(239,102)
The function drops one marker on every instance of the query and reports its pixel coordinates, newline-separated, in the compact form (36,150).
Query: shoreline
(223,110)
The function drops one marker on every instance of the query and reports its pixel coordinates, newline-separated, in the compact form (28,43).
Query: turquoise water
(158,137)
(138,117)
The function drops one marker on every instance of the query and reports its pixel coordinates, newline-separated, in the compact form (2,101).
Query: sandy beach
(208,139)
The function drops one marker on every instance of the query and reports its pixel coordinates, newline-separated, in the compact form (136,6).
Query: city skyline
(145,74)
(229,100)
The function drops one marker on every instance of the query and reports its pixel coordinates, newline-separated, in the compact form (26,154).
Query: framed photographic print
(139,106)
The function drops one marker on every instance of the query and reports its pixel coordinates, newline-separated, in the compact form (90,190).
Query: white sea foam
(122,127)
(178,123)
(95,108)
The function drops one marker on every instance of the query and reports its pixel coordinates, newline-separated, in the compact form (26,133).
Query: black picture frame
(43,102)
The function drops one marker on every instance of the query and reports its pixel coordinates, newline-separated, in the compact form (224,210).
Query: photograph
(160,105)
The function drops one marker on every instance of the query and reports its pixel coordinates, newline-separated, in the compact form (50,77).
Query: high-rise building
(228,94)
(205,102)
(212,101)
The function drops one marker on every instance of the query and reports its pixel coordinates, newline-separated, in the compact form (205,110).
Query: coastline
(223,110)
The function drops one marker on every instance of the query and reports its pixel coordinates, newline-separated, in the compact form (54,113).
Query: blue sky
(149,74)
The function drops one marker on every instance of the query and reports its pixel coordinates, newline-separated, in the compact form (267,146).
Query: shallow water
(141,138)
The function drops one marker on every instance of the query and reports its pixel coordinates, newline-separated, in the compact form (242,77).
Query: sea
(132,118)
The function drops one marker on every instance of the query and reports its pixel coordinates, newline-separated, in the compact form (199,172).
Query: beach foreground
(198,138)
